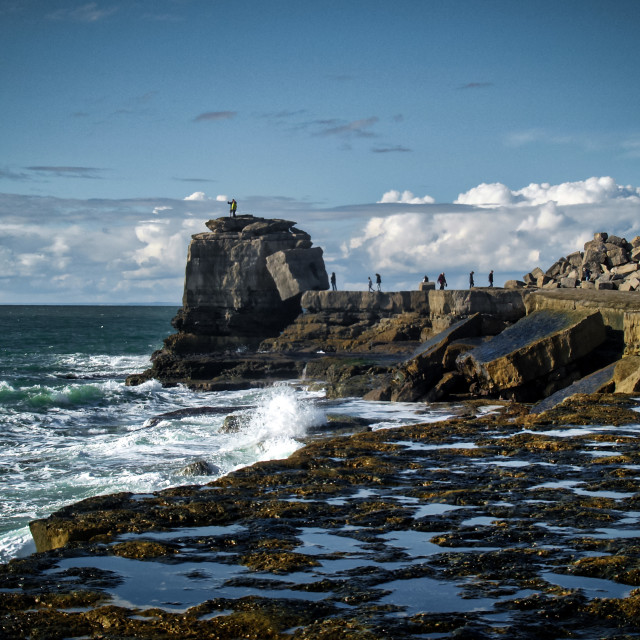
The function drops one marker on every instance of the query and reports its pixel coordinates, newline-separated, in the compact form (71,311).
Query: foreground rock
(501,526)
(538,347)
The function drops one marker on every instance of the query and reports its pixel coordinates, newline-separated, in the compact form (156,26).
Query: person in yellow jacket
(234,208)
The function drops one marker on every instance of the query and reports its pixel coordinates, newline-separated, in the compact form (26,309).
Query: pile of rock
(607,262)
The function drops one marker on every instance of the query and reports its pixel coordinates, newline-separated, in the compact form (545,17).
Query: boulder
(297,270)
(598,382)
(532,348)
(417,376)
(575,259)
(600,236)
(199,468)
(625,269)
(427,286)
(557,268)
(616,255)
(568,282)
(627,375)
(514,284)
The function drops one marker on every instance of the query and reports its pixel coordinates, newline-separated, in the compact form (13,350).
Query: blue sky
(402,135)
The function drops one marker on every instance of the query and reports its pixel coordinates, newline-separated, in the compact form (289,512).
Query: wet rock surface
(493,524)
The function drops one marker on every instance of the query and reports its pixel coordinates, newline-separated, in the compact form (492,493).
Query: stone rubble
(607,262)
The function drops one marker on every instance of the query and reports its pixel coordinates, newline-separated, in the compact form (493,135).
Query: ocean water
(70,428)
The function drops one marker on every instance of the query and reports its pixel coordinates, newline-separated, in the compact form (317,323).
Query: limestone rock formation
(541,343)
(394,322)
(230,297)
(298,270)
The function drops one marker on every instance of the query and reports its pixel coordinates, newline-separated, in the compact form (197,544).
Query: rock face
(534,348)
(298,270)
(361,321)
(230,296)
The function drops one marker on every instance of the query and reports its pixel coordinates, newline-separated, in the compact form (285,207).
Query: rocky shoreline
(492,524)
(514,517)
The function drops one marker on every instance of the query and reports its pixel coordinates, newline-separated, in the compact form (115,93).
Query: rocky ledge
(492,524)
(256,309)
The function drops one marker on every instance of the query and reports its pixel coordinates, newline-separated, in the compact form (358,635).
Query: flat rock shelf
(493,524)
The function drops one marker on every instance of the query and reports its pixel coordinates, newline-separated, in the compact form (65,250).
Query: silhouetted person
(425,279)
(442,281)
(370,285)
(378,281)
(333,282)
(491,278)
(233,209)
(471,283)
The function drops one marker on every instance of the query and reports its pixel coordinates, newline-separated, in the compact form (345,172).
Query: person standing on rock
(442,281)
(333,281)
(471,283)
(370,285)
(234,208)
(378,281)
(491,278)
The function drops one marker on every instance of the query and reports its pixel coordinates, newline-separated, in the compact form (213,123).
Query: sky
(407,137)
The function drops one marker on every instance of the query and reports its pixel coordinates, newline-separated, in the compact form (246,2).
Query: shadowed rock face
(537,345)
(229,293)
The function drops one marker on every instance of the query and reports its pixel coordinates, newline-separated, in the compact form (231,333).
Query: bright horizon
(407,138)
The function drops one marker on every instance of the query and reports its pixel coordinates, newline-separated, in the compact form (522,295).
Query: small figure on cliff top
(442,281)
(426,278)
(471,283)
(378,281)
(333,281)
(491,278)
(370,284)
(234,208)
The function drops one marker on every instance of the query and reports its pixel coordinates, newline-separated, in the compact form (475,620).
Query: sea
(70,428)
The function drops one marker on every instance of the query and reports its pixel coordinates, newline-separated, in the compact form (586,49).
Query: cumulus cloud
(57,250)
(198,196)
(590,191)
(406,197)
(490,227)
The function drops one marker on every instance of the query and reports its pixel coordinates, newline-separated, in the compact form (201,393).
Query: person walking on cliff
(333,281)
(370,285)
(491,278)
(234,208)
(379,281)
(442,281)
(471,283)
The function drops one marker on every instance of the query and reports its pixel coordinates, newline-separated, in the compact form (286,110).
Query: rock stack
(243,282)
(607,262)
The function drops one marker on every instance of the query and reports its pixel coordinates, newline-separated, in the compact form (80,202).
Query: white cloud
(56,250)
(198,196)
(492,227)
(406,197)
(487,195)
(590,191)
